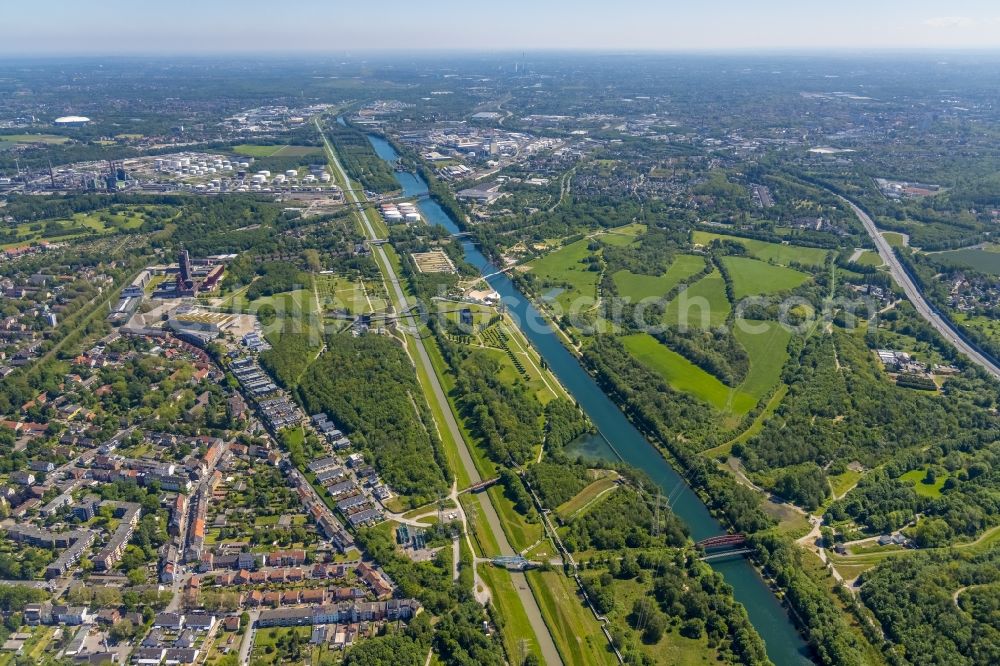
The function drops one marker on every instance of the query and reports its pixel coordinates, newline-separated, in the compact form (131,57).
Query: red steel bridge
(723,541)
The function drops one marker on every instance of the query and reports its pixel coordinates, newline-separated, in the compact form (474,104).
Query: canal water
(617,438)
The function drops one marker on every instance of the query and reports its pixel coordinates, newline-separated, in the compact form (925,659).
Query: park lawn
(585,497)
(286,304)
(276,150)
(504,598)
(563,270)
(341,293)
(575,630)
(636,287)
(915,477)
(685,376)
(753,278)
(779,253)
(702,305)
(768,351)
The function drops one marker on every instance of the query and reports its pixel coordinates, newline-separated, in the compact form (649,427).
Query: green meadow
(638,287)
(768,352)
(779,253)
(564,269)
(754,278)
(702,305)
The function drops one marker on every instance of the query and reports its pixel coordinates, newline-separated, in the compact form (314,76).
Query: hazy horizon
(182,27)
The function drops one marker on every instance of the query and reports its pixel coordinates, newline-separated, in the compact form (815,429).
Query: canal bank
(785,646)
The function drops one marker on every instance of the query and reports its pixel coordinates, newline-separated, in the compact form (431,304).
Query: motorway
(545,643)
(913,293)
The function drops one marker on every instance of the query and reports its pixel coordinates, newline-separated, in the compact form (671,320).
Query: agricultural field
(276,150)
(565,272)
(638,287)
(702,305)
(985,259)
(778,253)
(48,139)
(754,278)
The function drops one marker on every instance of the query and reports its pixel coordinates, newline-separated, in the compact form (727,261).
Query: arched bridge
(723,541)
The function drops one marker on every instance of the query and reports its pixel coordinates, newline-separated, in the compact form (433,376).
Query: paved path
(913,293)
(545,642)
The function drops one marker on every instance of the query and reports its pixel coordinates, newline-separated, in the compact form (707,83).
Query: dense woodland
(368,387)
(359,159)
(939,608)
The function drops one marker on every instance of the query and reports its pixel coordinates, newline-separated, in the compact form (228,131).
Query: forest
(368,386)
(360,160)
(940,608)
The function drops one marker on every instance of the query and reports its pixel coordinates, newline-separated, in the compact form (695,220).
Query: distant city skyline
(255,26)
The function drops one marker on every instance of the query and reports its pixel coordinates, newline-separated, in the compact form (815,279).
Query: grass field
(684,375)
(702,305)
(337,292)
(779,253)
(869,258)
(753,278)
(50,139)
(768,353)
(517,627)
(985,260)
(637,287)
(574,628)
(915,477)
(895,239)
(563,270)
(276,150)
(672,648)
(585,497)
(81,224)
(623,236)
(520,533)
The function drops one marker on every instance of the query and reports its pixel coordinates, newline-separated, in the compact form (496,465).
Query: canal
(785,646)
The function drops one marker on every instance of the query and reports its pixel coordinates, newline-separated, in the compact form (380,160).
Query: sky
(108,27)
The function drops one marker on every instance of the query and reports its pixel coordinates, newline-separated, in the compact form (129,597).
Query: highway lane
(912,292)
(545,642)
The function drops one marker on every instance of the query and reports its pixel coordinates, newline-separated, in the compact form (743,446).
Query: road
(247,643)
(545,642)
(913,293)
